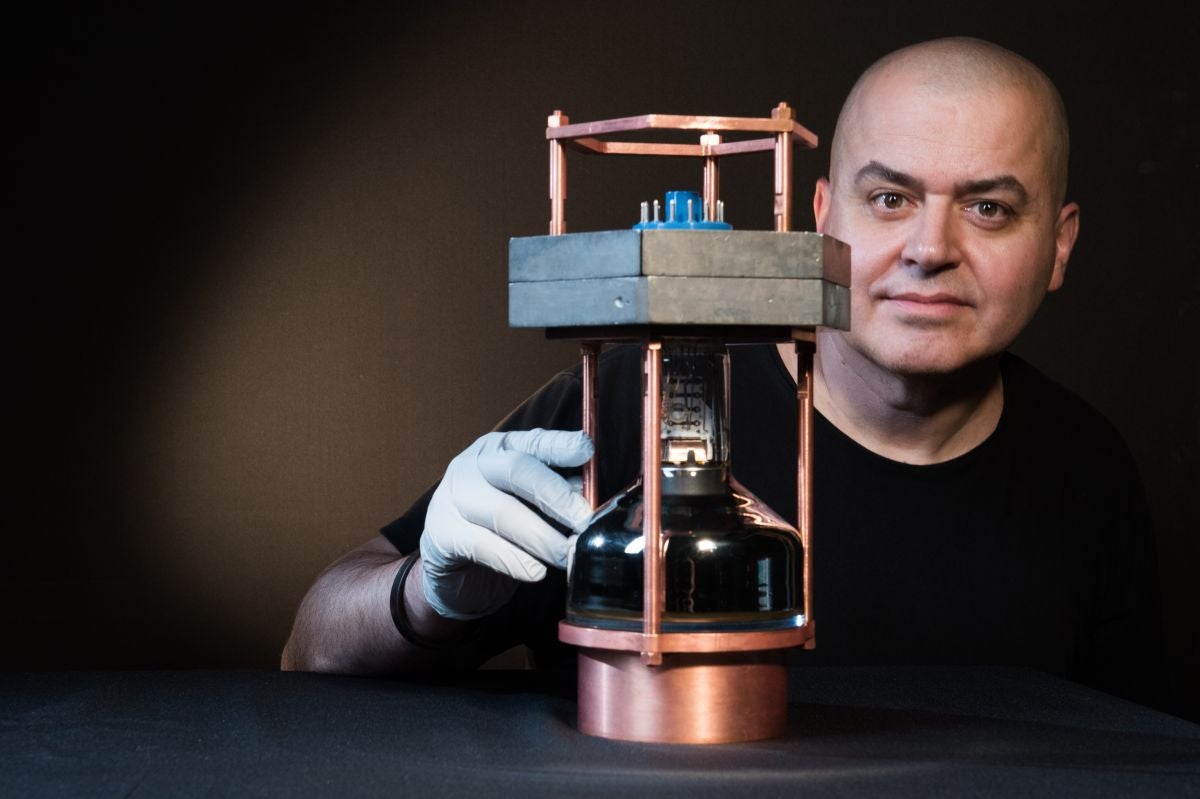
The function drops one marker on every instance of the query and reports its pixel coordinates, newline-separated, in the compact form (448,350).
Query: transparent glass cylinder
(731,563)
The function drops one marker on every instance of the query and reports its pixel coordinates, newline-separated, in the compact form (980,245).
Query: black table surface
(852,732)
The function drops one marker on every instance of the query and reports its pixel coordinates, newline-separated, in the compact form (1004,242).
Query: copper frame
(652,552)
(805,349)
(583,137)
(627,640)
(704,687)
(590,355)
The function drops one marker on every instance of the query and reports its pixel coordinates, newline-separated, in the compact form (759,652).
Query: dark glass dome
(731,564)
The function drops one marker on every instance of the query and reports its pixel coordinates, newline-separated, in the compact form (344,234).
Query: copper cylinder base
(691,698)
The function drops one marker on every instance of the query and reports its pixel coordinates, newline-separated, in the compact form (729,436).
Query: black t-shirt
(1033,549)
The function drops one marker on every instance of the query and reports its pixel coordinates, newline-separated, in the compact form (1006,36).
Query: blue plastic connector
(684,210)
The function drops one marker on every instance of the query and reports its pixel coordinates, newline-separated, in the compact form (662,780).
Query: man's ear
(821,202)
(1066,230)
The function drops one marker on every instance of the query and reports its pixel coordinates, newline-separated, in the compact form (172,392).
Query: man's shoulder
(1041,409)
(1025,383)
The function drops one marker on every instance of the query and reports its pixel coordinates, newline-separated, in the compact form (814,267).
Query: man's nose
(932,242)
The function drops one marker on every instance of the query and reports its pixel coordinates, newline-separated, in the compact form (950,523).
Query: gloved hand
(479,539)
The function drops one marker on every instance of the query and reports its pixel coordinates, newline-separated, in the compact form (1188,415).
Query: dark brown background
(258,295)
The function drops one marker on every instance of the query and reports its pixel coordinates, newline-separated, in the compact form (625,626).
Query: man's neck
(911,419)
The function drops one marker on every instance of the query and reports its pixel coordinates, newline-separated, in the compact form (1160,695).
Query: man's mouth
(928,299)
(927,305)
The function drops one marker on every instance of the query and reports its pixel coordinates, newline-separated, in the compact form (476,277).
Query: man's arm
(486,530)
(344,624)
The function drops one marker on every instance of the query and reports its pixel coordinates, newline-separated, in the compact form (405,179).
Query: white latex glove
(480,538)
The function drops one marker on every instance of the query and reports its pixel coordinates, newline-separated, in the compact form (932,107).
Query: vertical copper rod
(712,177)
(652,585)
(783,170)
(804,473)
(558,177)
(726,379)
(590,350)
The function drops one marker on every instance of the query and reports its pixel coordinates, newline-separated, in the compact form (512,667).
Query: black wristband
(400,617)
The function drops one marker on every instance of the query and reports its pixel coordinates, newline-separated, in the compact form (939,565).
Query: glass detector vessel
(731,564)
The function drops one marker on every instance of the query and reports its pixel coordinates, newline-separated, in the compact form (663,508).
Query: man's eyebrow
(988,185)
(877,171)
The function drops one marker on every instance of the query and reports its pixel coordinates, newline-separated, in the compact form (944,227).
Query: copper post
(727,387)
(783,170)
(652,551)
(590,351)
(712,178)
(804,473)
(558,175)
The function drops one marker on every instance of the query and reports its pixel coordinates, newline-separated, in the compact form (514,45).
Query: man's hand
(480,537)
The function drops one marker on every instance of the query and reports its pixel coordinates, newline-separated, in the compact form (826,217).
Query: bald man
(947,179)
(969,510)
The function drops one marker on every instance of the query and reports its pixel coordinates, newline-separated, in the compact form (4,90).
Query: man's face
(948,204)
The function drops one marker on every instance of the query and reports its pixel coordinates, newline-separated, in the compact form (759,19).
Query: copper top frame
(584,137)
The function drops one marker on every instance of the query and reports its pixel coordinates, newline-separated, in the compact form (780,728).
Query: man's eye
(990,211)
(888,200)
